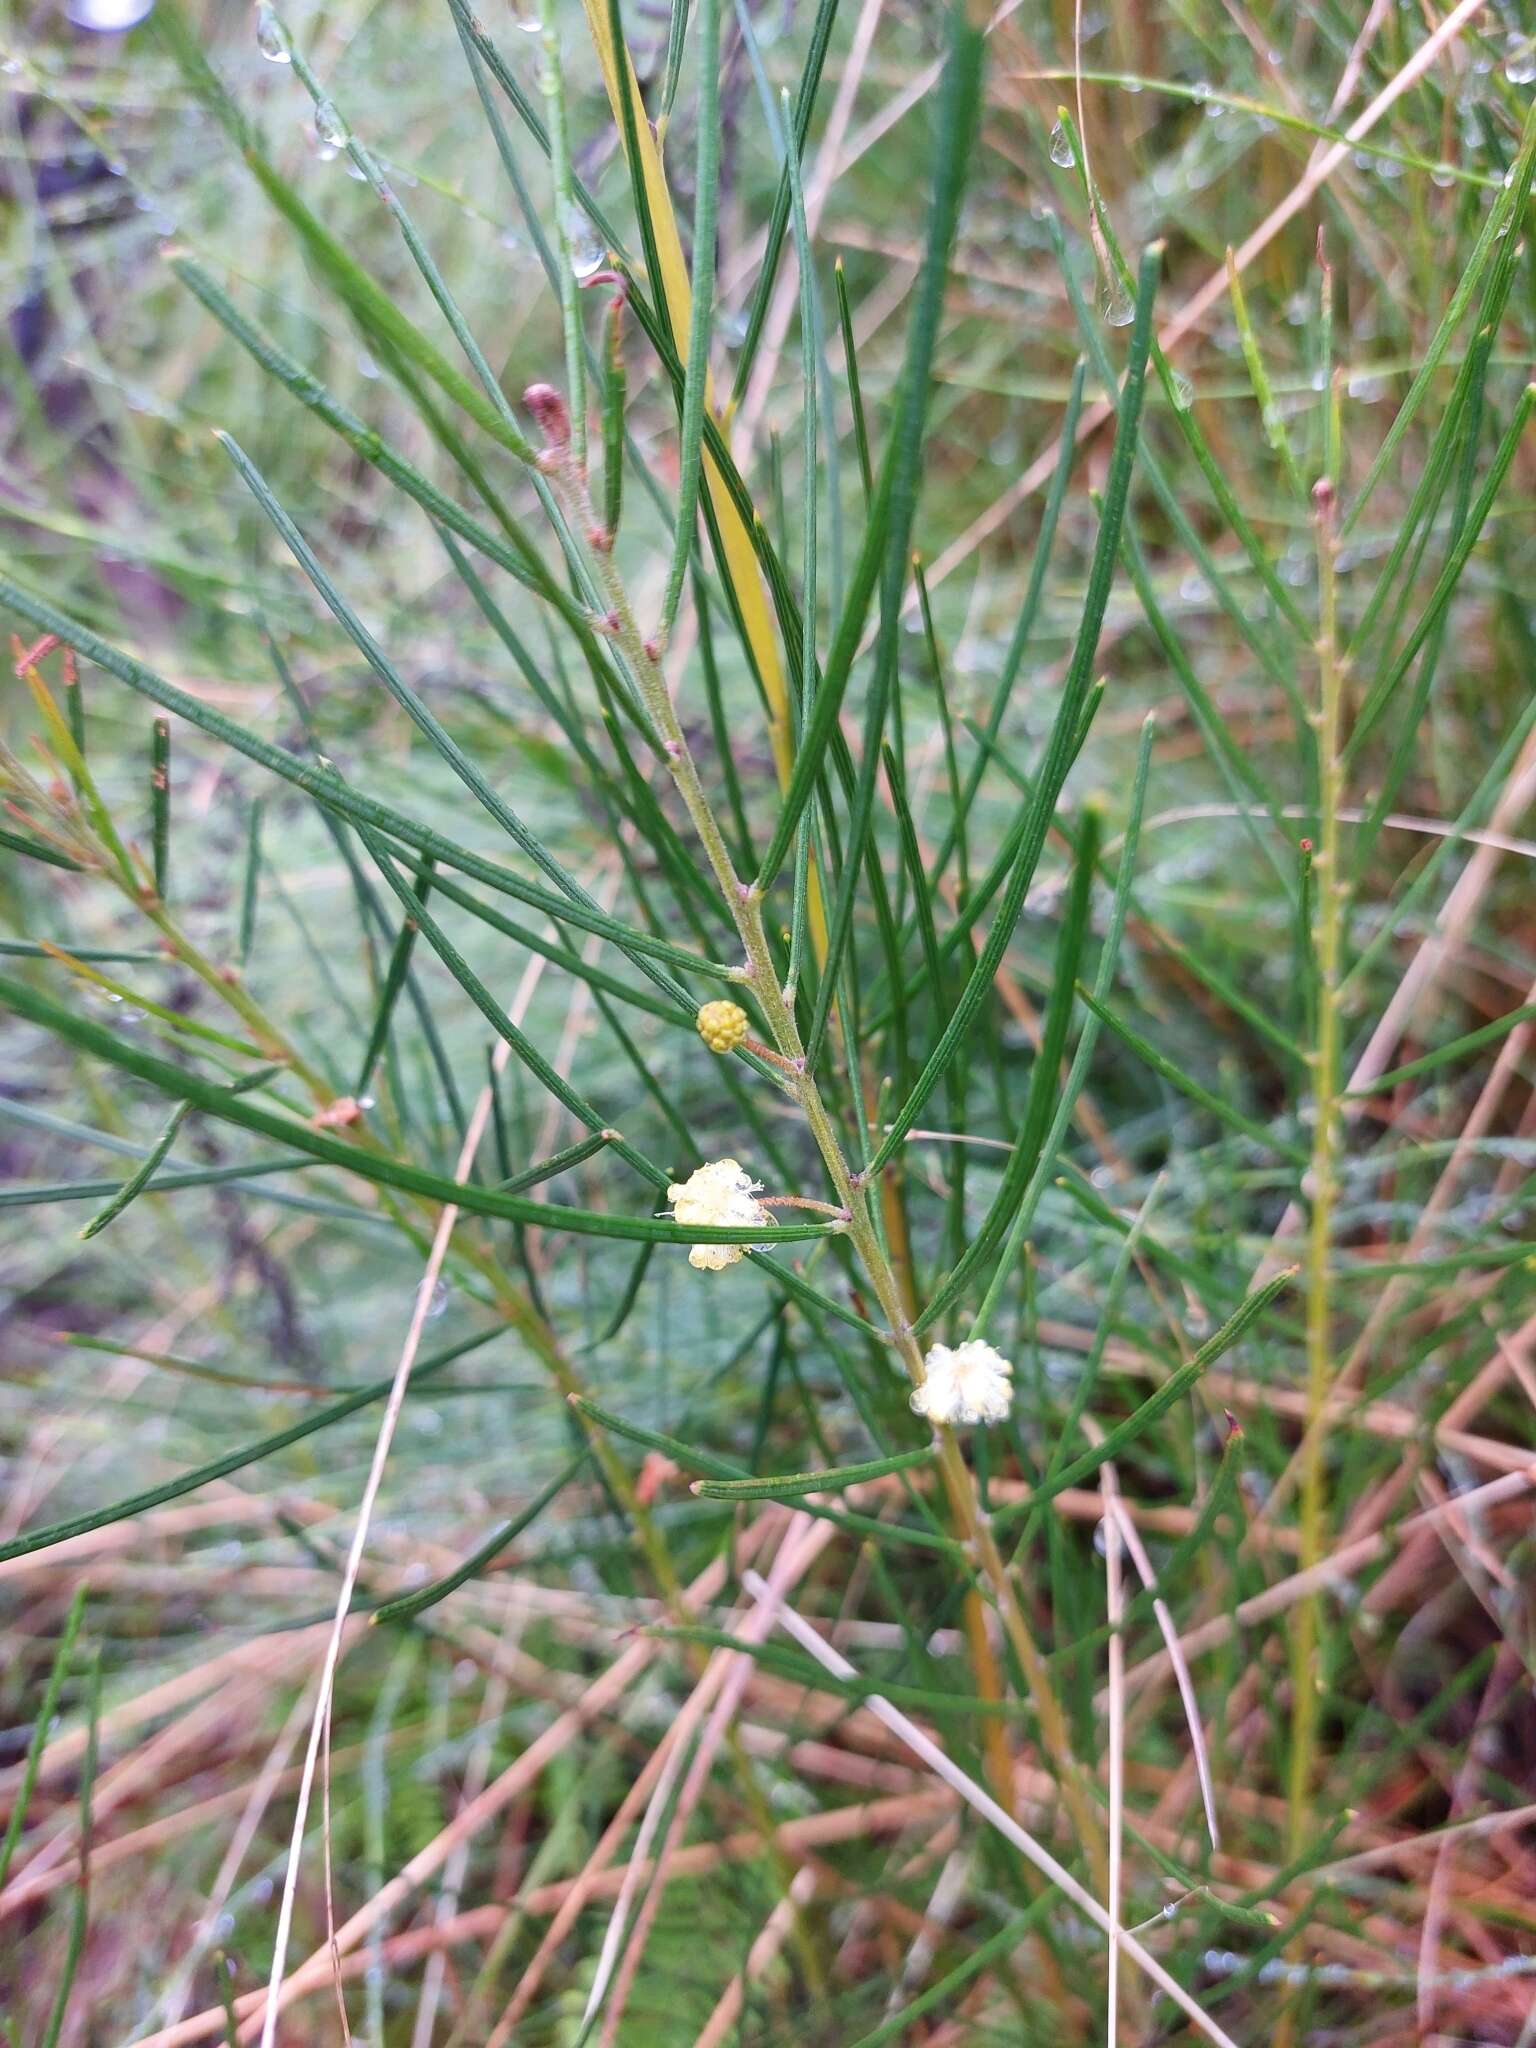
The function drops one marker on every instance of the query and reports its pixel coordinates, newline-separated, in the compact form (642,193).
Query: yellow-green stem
(745,905)
(1323,1179)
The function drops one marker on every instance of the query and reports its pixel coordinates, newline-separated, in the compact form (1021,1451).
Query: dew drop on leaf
(270,40)
(587,252)
(1116,303)
(330,127)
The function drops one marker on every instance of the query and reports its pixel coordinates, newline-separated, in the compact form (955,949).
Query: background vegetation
(364,748)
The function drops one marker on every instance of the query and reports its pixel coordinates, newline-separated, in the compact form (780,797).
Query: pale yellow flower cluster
(966,1383)
(722,1196)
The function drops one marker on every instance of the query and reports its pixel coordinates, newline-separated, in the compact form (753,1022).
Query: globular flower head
(721,1196)
(965,1383)
(722,1025)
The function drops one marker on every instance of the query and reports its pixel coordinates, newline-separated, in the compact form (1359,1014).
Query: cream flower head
(723,1196)
(968,1382)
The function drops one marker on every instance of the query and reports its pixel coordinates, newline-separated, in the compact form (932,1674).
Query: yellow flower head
(722,1025)
(721,1196)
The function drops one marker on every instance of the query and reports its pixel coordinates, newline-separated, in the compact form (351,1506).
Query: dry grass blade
(923,1746)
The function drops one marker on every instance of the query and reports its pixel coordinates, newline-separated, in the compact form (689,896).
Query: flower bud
(722,1025)
(548,409)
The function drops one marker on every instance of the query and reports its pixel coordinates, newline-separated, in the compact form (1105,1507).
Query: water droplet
(1215,109)
(366,367)
(9,67)
(530,24)
(439,1302)
(107,17)
(1443,175)
(732,328)
(366,1102)
(1062,151)
(1201,91)
(1366,389)
(587,252)
(270,40)
(1183,391)
(1295,568)
(1116,303)
(330,127)
(1520,63)
(1195,590)
(324,152)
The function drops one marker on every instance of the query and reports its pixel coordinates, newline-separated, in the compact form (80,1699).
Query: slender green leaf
(791,1485)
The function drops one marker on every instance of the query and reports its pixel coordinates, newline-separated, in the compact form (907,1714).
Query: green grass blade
(1498,226)
(409,1605)
(1172,1390)
(855,393)
(80,1905)
(373,308)
(137,1182)
(688,1456)
(1382,690)
(124,1510)
(394,982)
(42,1728)
(778,221)
(1044,1094)
(1065,736)
(792,1485)
(385,1171)
(701,306)
(1177,1077)
(957,128)
(160,804)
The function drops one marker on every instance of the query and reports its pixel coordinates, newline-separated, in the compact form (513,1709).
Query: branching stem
(744,903)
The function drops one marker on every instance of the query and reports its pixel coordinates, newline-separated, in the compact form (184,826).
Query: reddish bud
(548,409)
(346,1109)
